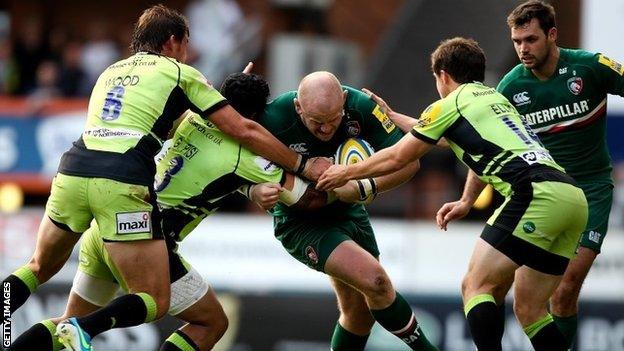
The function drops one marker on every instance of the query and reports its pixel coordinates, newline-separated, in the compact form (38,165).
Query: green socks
(39,337)
(399,319)
(344,340)
(545,336)
(20,284)
(568,326)
(178,341)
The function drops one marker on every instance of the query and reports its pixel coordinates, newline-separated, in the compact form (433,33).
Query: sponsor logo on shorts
(528,227)
(594,236)
(133,222)
(312,255)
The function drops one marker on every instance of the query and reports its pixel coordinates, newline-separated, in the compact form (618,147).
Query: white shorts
(185,292)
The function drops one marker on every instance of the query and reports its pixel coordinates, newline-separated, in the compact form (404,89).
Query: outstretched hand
(334,177)
(451,211)
(379,101)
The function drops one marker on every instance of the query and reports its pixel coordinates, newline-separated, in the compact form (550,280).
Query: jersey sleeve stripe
(423,137)
(214,108)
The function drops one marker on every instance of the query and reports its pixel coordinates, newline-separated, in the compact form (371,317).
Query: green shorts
(124,212)
(599,196)
(312,241)
(540,224)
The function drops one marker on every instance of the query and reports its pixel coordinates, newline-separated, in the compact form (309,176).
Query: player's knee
(469,285)
(378,285)
(528,313)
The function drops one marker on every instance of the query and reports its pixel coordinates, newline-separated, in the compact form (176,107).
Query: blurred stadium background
(52,51)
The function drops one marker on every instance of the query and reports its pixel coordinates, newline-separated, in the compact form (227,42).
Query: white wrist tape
(291,197)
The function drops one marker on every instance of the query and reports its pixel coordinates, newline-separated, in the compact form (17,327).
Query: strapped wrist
(301,163)
(366,188)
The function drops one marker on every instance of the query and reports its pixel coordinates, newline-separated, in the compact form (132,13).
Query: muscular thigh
(124,212)
(68,205)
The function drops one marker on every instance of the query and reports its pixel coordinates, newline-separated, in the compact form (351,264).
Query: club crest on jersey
(575,84)
(353,128)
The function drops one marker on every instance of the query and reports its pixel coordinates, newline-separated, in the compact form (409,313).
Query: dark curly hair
(246,93)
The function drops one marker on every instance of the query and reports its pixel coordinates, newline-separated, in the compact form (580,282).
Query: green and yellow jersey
(363,118)
(203,166)
(486,133)
(568,110)
(131,110)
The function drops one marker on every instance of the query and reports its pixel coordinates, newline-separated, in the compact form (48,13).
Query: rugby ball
(354,150)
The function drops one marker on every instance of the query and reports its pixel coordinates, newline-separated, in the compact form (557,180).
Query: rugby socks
(20,284)
(344,340)
(501,313)
(399,319)
(545,336)
(39,337)
(178,341)
(125,311)
(568,326)
(485,323)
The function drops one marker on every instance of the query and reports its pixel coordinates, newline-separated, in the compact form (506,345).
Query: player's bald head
(320,93)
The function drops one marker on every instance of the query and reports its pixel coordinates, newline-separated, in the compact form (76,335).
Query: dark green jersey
(568,110)
(131,110)
(486,133)
(362,118)
(202,166)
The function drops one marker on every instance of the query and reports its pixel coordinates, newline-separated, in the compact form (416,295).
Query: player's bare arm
(458,209)
(386,161)
(404,122)
(255,137)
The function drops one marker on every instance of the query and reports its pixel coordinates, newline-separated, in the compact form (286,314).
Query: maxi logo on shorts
(133,222)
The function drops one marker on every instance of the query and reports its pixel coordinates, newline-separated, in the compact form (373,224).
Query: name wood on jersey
(558,112)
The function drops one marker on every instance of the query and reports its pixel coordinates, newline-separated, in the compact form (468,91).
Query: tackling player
(186,199)
(532,235)
(562,94)
(338,239)
(108,174)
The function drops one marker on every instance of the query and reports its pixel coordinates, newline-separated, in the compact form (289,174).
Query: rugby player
(108,173)
(562,94)
(532,236)
(215,165)
(338,239)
